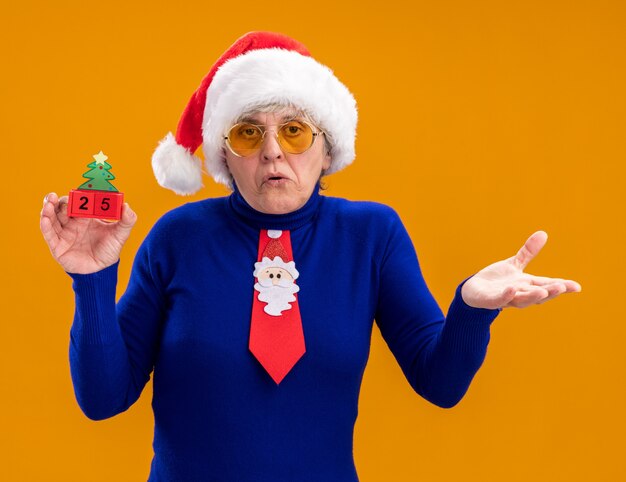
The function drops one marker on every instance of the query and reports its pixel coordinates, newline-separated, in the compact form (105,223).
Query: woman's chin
(279,208)
(280,203)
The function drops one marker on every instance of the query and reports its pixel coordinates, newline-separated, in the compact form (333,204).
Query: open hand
(505,284)
(83,245)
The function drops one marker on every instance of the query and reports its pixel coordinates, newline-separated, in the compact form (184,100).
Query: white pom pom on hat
(259,68)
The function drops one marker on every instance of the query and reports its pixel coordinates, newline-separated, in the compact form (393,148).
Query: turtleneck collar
(289,221)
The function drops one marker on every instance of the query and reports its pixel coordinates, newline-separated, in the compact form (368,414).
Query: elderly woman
(255,310)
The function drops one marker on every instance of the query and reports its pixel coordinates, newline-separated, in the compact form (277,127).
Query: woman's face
(273,181)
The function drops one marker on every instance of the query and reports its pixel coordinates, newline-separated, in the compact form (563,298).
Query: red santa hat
(259,68)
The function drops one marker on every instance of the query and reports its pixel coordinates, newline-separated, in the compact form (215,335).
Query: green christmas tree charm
(99,175)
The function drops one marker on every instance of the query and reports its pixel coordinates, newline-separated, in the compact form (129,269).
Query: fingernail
(45,199)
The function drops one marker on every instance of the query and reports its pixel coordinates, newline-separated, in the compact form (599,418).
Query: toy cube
(84,203)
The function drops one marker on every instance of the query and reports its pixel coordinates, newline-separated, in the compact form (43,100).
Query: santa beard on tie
(278,294)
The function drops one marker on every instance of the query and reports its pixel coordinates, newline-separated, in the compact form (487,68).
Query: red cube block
(81,203)
(85,203)
(109,204)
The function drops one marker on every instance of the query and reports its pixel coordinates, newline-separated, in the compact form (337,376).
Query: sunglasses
(294,137)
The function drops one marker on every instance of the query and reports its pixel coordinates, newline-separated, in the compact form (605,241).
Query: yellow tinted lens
(295,137)
(245,139)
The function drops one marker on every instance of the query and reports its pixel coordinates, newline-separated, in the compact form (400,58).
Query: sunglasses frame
(263,129)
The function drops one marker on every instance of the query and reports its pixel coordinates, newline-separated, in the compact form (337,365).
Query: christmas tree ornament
(96,198)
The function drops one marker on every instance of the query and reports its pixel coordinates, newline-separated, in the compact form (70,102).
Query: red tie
(276,337)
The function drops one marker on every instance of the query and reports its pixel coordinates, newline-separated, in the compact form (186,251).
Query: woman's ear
(224,159)
(326,162)
(231,183)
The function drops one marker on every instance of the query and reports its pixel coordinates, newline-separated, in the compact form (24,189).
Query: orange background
(480,122)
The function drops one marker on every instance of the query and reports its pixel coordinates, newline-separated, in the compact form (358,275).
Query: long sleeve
(113,348)
(438,355)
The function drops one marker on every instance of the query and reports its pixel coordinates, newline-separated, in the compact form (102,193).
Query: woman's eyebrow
(287,116)
(249,120)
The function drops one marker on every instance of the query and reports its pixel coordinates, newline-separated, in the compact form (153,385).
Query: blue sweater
(186,315)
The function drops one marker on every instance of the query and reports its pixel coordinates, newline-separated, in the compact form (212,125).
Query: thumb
(126,223)
(531,248)
(497,300)
(507,295)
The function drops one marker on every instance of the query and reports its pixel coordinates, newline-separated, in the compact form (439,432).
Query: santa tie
(276,337)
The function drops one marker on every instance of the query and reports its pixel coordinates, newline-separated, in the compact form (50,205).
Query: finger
(528,297)
(61,210)
(51,207)
(49,234)
(50,197)
(507,295)
(56,224)
(126,223)
(49,200)
(129,217)
(54,199)
(555,288)
(49,213)
(531,248)
(553,291)
(571,285)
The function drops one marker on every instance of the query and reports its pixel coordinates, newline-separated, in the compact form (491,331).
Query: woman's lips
(276,181)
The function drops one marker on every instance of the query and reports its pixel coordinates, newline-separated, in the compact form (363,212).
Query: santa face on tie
(276,284)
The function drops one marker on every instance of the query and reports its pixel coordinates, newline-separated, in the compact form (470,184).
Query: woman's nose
(270,149)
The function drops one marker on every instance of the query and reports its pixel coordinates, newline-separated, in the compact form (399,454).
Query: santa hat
(259,68)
